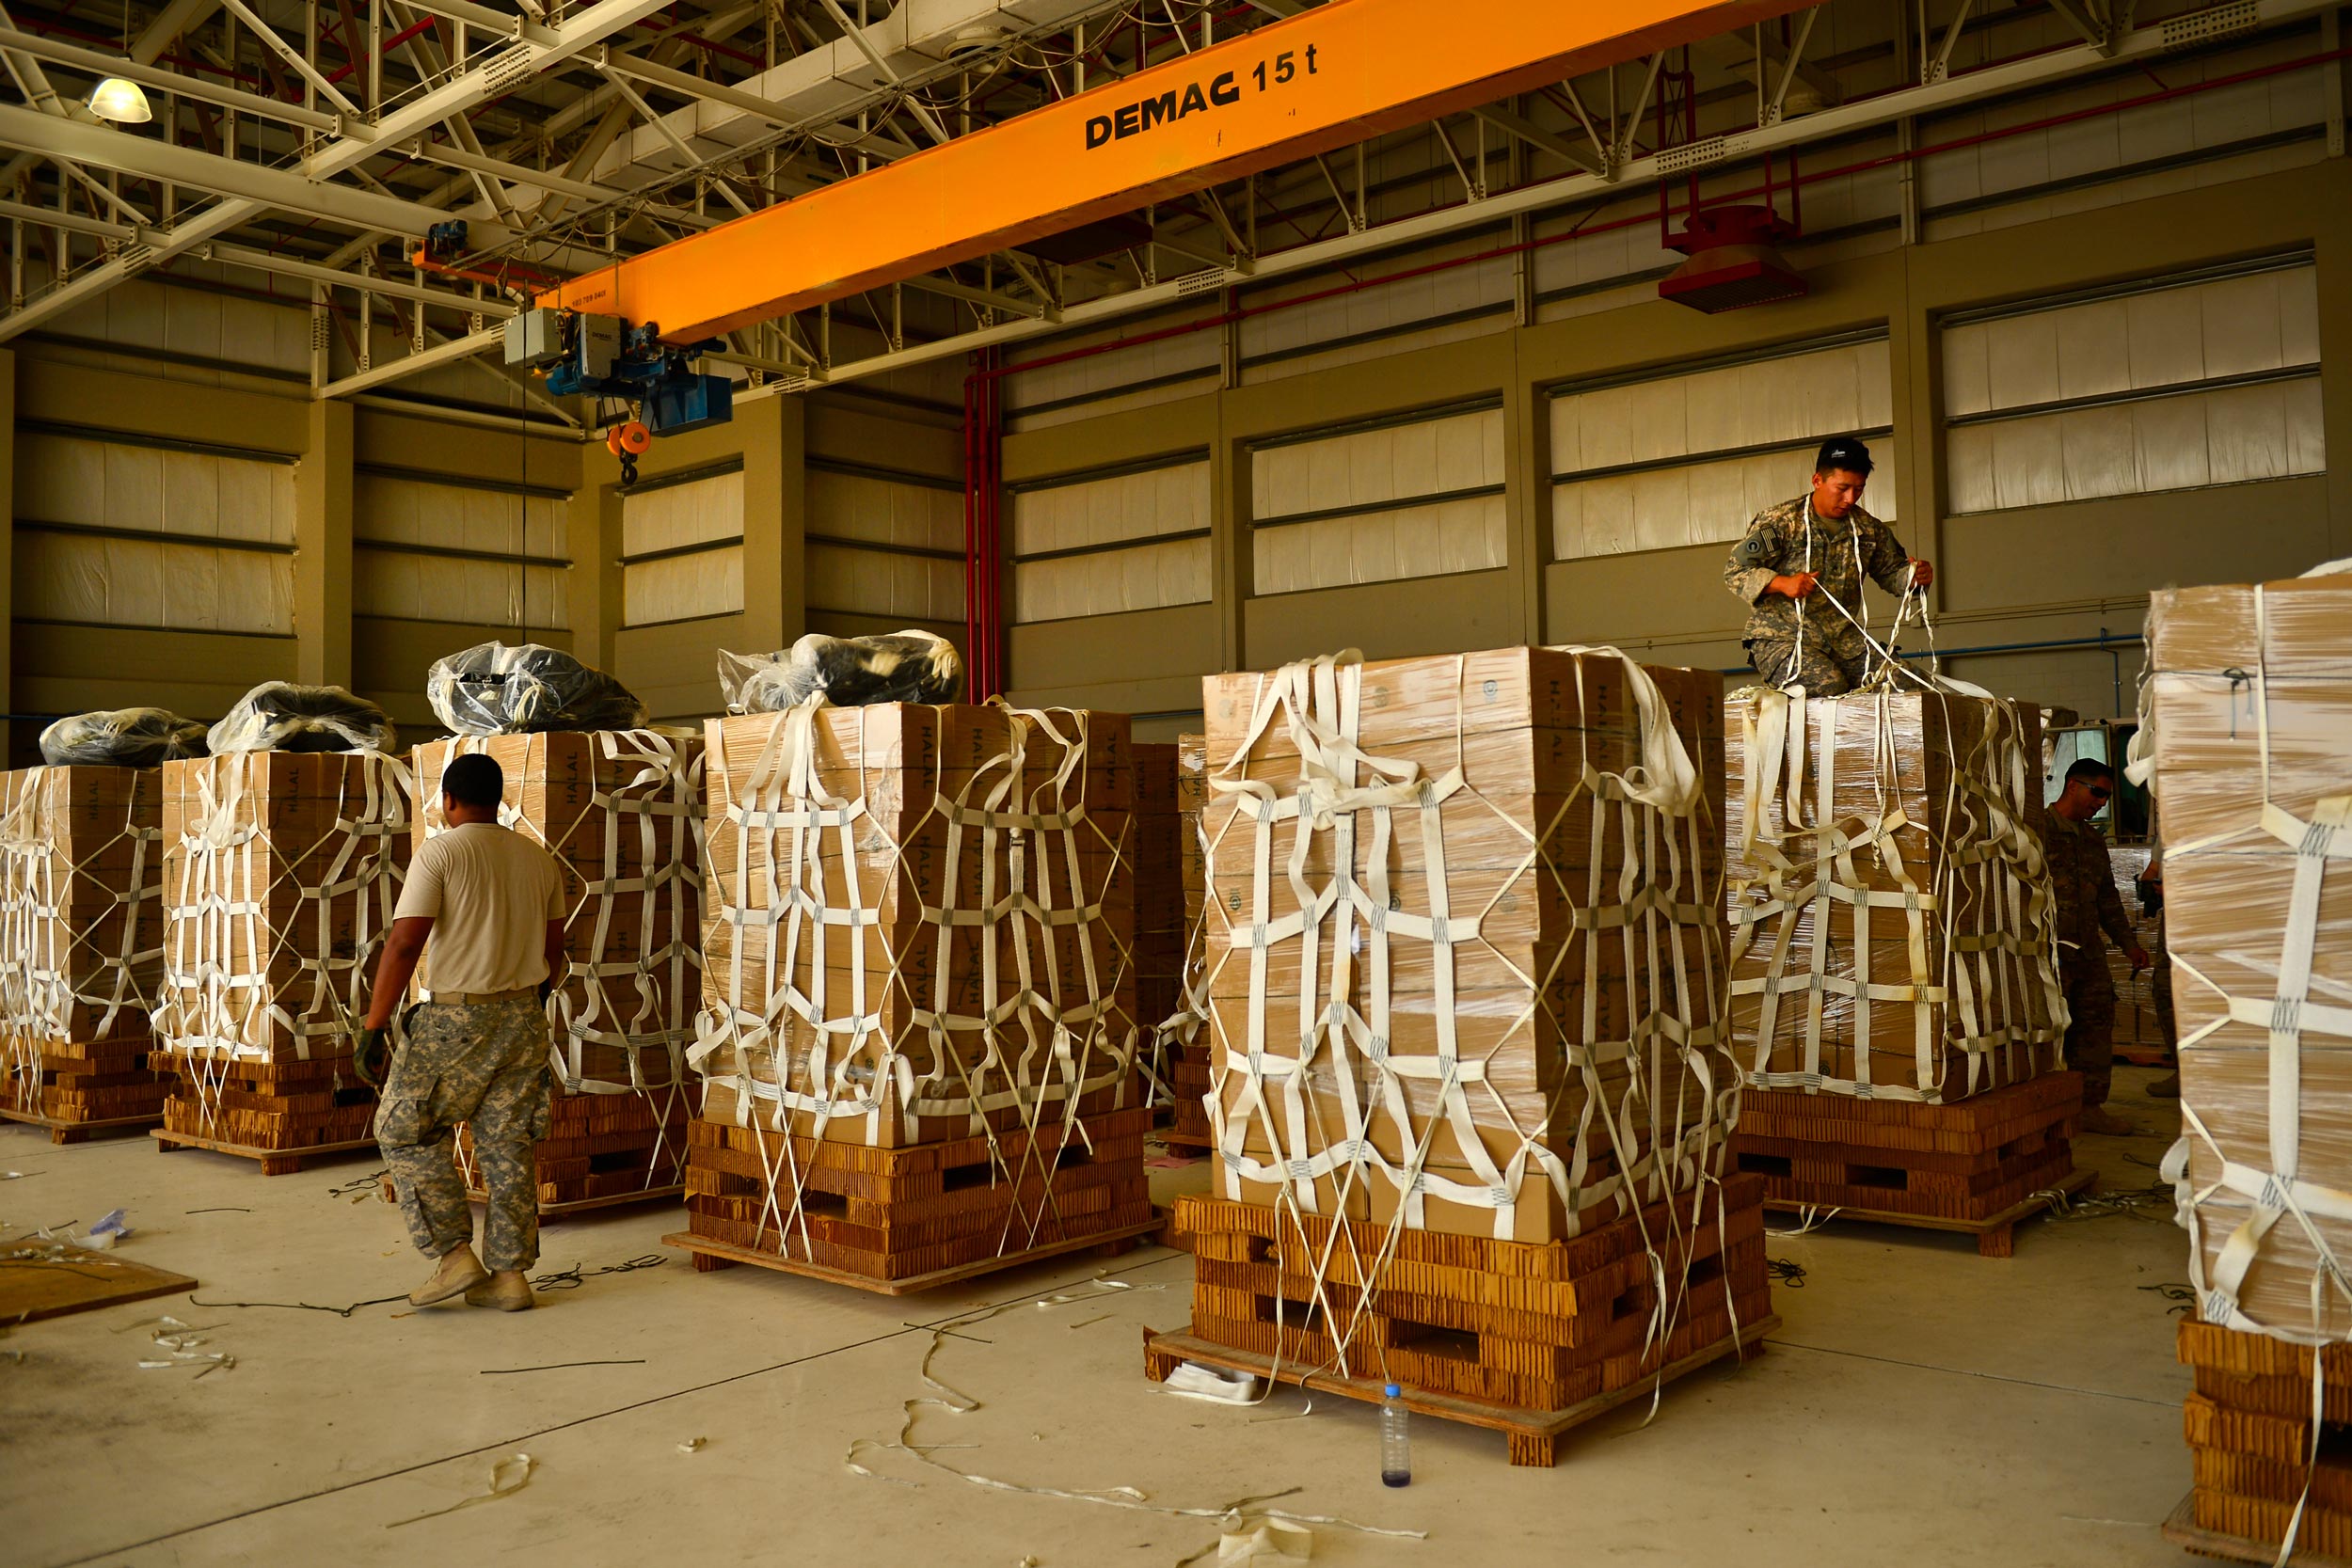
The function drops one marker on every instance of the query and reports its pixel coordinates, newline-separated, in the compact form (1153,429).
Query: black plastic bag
(495,689)
(280,715)
(852,671)
(121,737)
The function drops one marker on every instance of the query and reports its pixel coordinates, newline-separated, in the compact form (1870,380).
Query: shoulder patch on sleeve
(1754,550)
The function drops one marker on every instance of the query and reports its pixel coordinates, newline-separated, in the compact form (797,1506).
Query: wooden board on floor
(2183,1530)
(710,1255)
(75,1131)
(1994,1233)
(34,1288)
(274,1161)
(1534,1434)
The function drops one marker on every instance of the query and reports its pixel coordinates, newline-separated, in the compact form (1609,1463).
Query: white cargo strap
(218,907)
(1038,1050)
(1345,924)
(641,1006)
(1989,910)
(53,960)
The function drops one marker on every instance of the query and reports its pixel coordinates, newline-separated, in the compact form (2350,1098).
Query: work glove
(372,1056)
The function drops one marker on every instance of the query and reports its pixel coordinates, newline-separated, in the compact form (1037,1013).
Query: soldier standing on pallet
(1801,560)
(491,902)
(2083,880)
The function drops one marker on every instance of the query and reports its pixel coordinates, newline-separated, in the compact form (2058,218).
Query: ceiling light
(120,101)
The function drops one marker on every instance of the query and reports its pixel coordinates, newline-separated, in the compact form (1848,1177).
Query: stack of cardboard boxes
(621,812)
(1893,947)
(281,871)
(1187,1034)
(81,945)
(2249,701)
(919,1036)
(1159,905)
(1464,982)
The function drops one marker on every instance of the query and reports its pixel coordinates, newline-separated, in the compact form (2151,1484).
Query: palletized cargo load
(81,947)
(2248,710)
(1903,825)
(1159,950)
(1464,939)
(1464,989)
(281,871)
(1185,1034)
(621,812)
(919,1040)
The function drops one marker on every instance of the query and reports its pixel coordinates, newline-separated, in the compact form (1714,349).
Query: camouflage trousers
(1825,668)
(484,1064)
(2091,1037)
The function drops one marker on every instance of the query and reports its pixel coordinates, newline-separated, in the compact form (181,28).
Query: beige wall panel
(462,449)
(1386,620)
(141,404)
(1121,655)
(913,442)
(674,669)
(73,668)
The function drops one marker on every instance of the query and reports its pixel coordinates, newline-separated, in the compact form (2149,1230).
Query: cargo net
(81,882)
(629,836)
(1314,1081)
(2257,917)
(275,907)
(961,962)
(1970,903)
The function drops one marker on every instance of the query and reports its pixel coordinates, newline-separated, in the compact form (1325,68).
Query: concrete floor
(1921,1404)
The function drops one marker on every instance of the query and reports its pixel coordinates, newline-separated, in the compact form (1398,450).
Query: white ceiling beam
(504,72)
(286,266)
(172,21)
(91,60)
(149,157)
(1535,135)
(410,364)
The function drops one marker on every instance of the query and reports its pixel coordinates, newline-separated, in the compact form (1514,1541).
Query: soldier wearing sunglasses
(2088,910)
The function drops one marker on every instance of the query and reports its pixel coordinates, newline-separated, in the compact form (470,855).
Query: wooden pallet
(2183,1531)
(274,1161)
(921,1210)
(1534,1434)
(1976,1166)
(711,1256)
(80,1132)
(1512,1324)
(1174,1139)
(1995,1233)
(83,1280)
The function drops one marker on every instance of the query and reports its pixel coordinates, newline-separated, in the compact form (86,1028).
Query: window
(427,547)
(1412,496)
(1107,542)
(2174,384)
(1688,455)
(118,532)
(682,548)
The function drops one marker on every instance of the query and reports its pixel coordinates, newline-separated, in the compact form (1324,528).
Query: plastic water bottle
(1396,1441)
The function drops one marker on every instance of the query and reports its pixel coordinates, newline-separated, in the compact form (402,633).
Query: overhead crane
(1328,77)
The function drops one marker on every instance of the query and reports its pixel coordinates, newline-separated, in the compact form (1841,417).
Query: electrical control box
(534,337)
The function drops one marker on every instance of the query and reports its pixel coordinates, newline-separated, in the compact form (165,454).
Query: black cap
(1842,452)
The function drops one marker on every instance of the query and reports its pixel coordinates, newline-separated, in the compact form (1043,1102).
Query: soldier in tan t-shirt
(483,910)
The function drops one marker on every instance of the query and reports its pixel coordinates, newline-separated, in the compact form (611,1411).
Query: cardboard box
(2250,704)
(1866,760)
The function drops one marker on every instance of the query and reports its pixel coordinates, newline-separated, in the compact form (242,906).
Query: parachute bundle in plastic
(495,689)
(852,671)
(280,715)
(121,737)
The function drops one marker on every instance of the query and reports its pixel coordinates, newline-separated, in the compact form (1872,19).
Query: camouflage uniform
(484,1064)
(1833,658)
(2082,879)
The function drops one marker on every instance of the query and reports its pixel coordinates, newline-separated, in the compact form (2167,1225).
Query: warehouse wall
(1681,425)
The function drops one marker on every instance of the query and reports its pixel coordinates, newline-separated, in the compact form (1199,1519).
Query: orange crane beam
(1328,77)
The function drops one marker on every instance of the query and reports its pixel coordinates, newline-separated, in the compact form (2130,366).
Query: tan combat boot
(506,1289)
(2099,1119)
(460,1272)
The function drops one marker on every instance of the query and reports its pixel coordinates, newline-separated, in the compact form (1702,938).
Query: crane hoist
(1328,77)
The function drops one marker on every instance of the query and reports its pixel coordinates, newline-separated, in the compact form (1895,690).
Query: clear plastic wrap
(1454,909)
(496,689)
(852,671)
(2249,701)
(280,715)
(1938,794)
(121,737)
